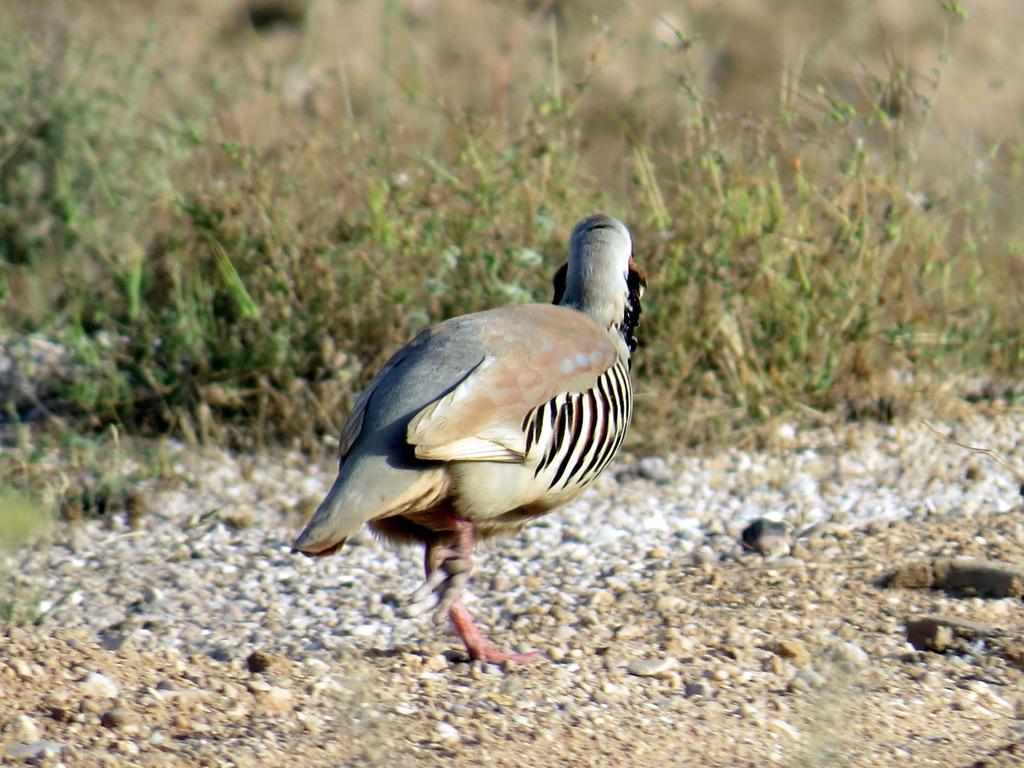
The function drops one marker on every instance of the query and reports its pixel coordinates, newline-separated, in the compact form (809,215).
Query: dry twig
(995,456)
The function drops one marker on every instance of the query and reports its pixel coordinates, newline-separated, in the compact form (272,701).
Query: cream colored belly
(503,496)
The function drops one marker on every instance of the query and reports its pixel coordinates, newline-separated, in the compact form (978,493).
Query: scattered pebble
(274,700)
(99,686)
(660,668)
(849,654)
(201,639)
(26,729)
(35,750)
(654,468)
(805,680)
(436,663)
(446,733)
(992,578)
(795,651)
(261,661)
(767,537)
(786,729)
(22,668)
(938,633)
(698,688)
(118,717)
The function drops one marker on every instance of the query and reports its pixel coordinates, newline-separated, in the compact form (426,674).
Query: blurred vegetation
(228,241)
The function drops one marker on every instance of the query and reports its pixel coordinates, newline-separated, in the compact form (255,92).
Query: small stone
(126,747)
(678,644)
(766,537)
(784,728)
(60,713)
(261,661)
(35,750)
(601,597)
(320,667)
(311,723)
(151,594)
(720,674)
(805,680)
(446,733)
(258,686)
(276,700)
(118,717)
(938,633)
(660,668)
(698,688)
(794,650)
(222,654)
(748,711)
(929,636)
(436,663)
(915,575)
(232,692)
(628,632)
(22,668)
(26,729)
(993,578)
(654,468)
(112,641)
(850,654)
(366,630)
(91,706)
(99,686)
(669,604)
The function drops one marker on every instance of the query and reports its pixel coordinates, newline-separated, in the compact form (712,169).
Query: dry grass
(230,219)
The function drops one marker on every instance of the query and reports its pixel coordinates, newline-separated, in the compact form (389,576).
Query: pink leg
(460,555)
(479,647)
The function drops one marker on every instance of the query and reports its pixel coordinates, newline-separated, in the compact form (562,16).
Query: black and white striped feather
(575,435)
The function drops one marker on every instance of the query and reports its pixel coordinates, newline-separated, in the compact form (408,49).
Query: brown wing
(533,353)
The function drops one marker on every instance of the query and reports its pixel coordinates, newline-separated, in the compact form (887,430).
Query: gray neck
(596,287)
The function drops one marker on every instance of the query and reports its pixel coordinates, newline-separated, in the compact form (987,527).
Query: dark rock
(939,633)
(991,578)
(766,537)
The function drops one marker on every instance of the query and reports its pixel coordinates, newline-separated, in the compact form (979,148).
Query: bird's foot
(477,645)
(444,585)
(491,655)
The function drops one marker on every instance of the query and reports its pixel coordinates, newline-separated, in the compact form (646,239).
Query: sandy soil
(801,661)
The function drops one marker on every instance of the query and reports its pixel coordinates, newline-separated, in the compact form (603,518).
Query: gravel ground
(191,636)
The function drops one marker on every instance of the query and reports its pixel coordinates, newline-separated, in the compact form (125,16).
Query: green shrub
(222,280)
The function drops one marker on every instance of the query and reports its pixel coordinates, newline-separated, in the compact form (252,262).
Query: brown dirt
(738,631)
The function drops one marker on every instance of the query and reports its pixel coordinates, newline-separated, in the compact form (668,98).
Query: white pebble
(99,686)
(784,728)
(660,668)
(446,733)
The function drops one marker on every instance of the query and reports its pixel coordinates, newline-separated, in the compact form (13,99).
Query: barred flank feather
(578,434)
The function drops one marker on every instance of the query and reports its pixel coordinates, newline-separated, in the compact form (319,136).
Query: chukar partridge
(485,421)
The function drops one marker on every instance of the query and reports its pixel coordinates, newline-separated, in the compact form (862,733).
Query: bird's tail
(367,489)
